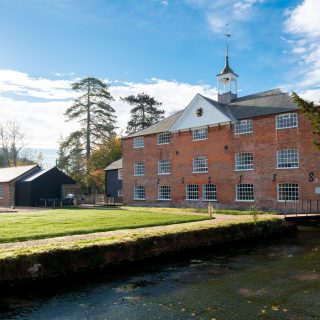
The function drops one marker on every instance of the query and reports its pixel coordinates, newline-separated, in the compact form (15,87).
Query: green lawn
(61,222)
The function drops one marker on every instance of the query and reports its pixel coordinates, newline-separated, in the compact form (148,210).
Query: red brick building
(256,149)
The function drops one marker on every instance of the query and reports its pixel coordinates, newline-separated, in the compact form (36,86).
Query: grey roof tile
(12,173)
(263,103)
(114,165)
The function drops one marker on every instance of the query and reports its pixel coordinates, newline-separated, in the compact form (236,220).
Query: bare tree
(12,140)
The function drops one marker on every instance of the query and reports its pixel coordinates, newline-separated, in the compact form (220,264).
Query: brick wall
(221,147)
(8,195)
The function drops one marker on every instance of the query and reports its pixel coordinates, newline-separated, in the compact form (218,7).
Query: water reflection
(278,280)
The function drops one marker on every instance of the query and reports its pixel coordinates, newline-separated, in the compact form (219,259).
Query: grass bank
(50,261)
(64,222)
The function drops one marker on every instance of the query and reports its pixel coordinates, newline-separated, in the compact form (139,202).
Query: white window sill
(291,201)
(287,128)
(240,133)
(164,199)
(206,200)
(288,168)
(139,175)
(163,174)
(191,199)
(139,199)
(199,139)
(199,171)
(244,170)
(160,144)
(244,200)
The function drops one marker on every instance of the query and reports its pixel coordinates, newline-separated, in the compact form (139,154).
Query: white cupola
(227,82)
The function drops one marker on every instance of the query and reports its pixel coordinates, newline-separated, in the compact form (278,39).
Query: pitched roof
(161,126)
(13,173)
(263,103)
(114,165)
(35,175)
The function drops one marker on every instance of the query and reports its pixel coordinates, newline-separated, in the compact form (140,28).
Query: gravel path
(219,218)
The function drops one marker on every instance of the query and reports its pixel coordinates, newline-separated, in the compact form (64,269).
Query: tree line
(85,153)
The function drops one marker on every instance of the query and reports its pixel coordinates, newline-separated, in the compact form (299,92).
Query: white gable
(190,119)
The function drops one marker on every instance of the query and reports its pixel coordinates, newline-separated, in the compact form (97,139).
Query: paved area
(218,218)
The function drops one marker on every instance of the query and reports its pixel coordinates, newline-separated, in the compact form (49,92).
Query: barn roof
(114,165)
(36,175)
(13,173)
(263,103)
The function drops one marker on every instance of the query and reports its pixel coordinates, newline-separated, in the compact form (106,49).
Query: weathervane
(227,35)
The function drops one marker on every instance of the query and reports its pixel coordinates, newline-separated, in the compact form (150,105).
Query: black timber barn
(41,184)
(113,180)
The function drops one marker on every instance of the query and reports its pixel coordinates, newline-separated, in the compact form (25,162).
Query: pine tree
(93,112)
(144,113)
(311,112)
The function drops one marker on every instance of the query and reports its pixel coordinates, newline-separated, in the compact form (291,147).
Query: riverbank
(45,259)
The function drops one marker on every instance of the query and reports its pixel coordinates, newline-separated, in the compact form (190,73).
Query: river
(270,280)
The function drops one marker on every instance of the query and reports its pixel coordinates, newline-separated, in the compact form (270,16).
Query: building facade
(113,180)
(237,152)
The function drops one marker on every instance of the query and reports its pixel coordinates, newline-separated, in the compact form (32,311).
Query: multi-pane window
(288,192)
(287,158)
(287,120)
(200,134)
(139,193)
(138,142)
(1,192)
(245,192)
(192,192)
(139,168)
(163,138)
(164,167)
(164,193)
(244,161)
(209,192)
(200,164)
(120,194)
(243,126)
(119,174)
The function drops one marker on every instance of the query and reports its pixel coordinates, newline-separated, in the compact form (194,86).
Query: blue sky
(171,49)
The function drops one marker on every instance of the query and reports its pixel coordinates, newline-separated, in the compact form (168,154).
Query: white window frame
(138,142)
(238,191)
(284,159)
(282,119)
(288,185)
(212,190)
(243,126)
(197,166)
(163,138)
(241,161)
(194,191)
(135,192)
(137,169)
(120,193)
(166,191)
(163,164)
(120,175)
(199,134)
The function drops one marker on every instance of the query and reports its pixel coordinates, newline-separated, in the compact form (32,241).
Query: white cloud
(302,25)
(220,12)
(44,121)
(20,83)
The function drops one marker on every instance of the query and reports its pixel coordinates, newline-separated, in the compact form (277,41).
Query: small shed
(42,184)
(113,181)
